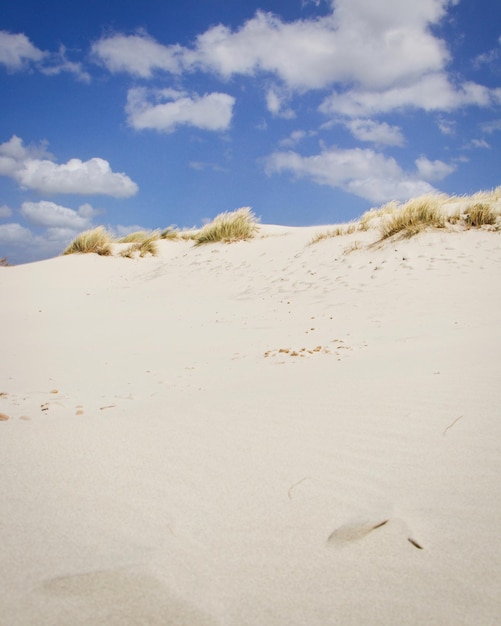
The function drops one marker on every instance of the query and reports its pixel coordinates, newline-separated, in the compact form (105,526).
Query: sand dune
(261,433)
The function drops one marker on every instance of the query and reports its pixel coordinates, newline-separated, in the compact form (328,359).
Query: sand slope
(257,433)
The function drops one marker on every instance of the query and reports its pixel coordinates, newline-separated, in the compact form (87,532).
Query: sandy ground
(262,433)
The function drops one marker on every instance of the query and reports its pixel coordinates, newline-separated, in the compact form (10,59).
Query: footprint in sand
(349,533)
(353,532)
(4,417)
(119,596)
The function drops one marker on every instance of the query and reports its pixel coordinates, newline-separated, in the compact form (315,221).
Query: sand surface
(263,433)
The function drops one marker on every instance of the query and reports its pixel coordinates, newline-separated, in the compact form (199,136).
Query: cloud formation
(51,227)
(17,51)
(433,170)
(379,133)
(5,211)
(170,109)
(53,215)
(94,176)
(388,41)
(433,92)
(15,234)
(139,55)
(365,173)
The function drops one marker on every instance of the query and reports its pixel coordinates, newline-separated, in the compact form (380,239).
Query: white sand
(188,472)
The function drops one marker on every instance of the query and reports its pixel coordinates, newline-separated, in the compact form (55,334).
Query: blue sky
(147,114)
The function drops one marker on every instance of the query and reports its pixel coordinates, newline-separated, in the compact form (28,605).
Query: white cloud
(433,92)
(492,127)
(5,211)
(88,211)
(171,109)
(446,126)
(14,234)
(53,215)
(275,102)
(295,137)
(139,55)
(433,170)
(17,51)
(376,132)
(200,166)
(76,177)
(365,173)
(59,64)
(379,55)
(80,177)
(373,43)
(387,40)
(480,143)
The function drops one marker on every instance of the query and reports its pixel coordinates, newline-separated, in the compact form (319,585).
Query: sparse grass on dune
(480,214)
(170,233)
(142,246)
(430,211)
(97,241)
(393,219)
(188,235)
(137,236)
(413,217)
(373,216)
(337,231)
(173,233)
(229,227)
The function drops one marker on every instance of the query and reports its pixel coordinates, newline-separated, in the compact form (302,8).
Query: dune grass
(432,211)
(97,241)
(480,214)
(338,231)
(413,217)
(374,216)
(170,232)
(135,237)
(228,227)
(142,244)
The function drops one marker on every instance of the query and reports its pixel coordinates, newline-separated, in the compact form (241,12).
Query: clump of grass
(137,236)
(338,231)
(4,262)
(97,241)
(143,246)
(367,219)
(229,227)
(188,235)
(490,197)
(413,217)
(480,214)
(170,233)
(356,245)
